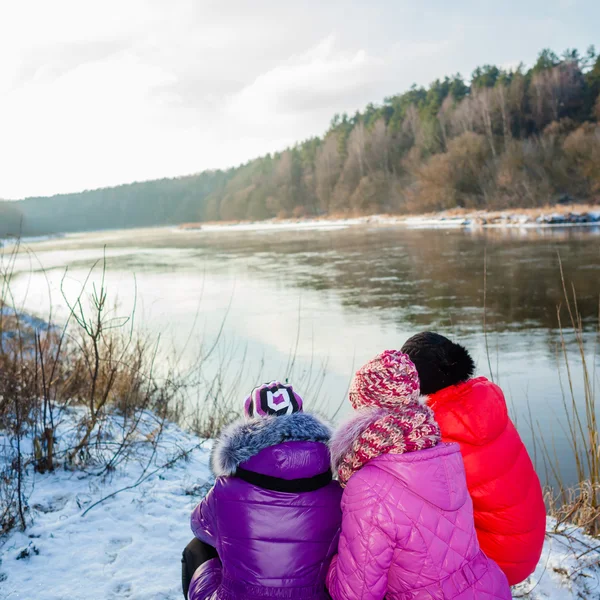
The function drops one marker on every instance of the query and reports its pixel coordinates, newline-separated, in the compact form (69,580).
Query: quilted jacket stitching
(415,523)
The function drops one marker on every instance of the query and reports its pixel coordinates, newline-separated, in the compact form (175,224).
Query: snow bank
(472,220)
(482,219)
(129,545)
(569,567)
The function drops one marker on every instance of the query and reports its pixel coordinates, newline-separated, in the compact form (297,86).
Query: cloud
(310,81)
(102,93)
(43,40)
(51,62)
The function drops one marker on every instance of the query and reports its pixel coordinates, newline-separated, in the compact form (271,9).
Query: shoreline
(546,217)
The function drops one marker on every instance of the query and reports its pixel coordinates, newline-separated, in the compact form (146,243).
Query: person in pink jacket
(407,517)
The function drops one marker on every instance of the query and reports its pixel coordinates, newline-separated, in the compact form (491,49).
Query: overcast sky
(96,93)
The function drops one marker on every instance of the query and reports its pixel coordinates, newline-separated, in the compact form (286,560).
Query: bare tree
(554,91)
(377,147)
(328,165)
(484,102)
(412,129)
(502,101)
(356,146)
(464,116)
(443,116)
(517,99)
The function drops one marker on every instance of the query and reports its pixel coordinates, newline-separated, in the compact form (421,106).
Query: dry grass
(578,504)
(94,361)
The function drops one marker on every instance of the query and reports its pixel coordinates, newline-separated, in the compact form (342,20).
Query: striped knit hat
(273,398)
(390,383)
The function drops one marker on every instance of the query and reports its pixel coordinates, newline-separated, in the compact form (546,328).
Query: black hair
(439,361)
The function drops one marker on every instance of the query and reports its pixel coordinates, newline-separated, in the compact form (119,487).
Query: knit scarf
(378,431)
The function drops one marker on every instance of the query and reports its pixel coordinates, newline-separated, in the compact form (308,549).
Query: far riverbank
(549,216)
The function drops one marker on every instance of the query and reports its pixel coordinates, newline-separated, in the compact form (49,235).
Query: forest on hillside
(506,138)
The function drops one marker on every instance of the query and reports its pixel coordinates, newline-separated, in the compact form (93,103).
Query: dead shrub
(452,179)
(95,363)
(520,177)
(299,212)
(368,195)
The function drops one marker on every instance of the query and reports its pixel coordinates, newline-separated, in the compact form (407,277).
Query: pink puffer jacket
(408,533)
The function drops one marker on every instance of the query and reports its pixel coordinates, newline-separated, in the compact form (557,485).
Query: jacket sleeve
(206,580)
(366,548)
(203,520)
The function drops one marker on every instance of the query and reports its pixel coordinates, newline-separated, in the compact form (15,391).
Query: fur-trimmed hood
(243,439)
(343,438)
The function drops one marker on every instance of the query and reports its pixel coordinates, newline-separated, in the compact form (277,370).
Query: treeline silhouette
(11,218)
(508,138)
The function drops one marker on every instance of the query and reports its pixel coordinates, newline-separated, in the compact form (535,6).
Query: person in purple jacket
(270,525)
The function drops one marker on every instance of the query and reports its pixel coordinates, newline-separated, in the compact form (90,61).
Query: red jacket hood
(473,412)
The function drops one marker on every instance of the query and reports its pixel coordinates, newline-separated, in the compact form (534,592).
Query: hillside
(518,138)
(151,203)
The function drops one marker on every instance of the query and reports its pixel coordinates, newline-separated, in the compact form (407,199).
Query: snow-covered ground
(569,568)
(129,545)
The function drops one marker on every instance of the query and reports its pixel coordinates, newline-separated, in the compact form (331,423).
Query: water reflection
(351,293)
(434,278)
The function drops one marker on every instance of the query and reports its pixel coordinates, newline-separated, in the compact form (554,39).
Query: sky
(99,93)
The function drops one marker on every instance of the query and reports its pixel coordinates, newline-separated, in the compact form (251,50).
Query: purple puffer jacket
(408,533)
(271,544)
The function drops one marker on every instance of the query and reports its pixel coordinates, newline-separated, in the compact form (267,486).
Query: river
(315,302)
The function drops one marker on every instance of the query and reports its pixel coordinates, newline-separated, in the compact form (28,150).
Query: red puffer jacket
(510,516)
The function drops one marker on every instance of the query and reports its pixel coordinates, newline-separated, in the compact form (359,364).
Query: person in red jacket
(510,515)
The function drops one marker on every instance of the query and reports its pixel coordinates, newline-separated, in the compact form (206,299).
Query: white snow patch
(472,220)
(569,567)
(129,546)
(484,220)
